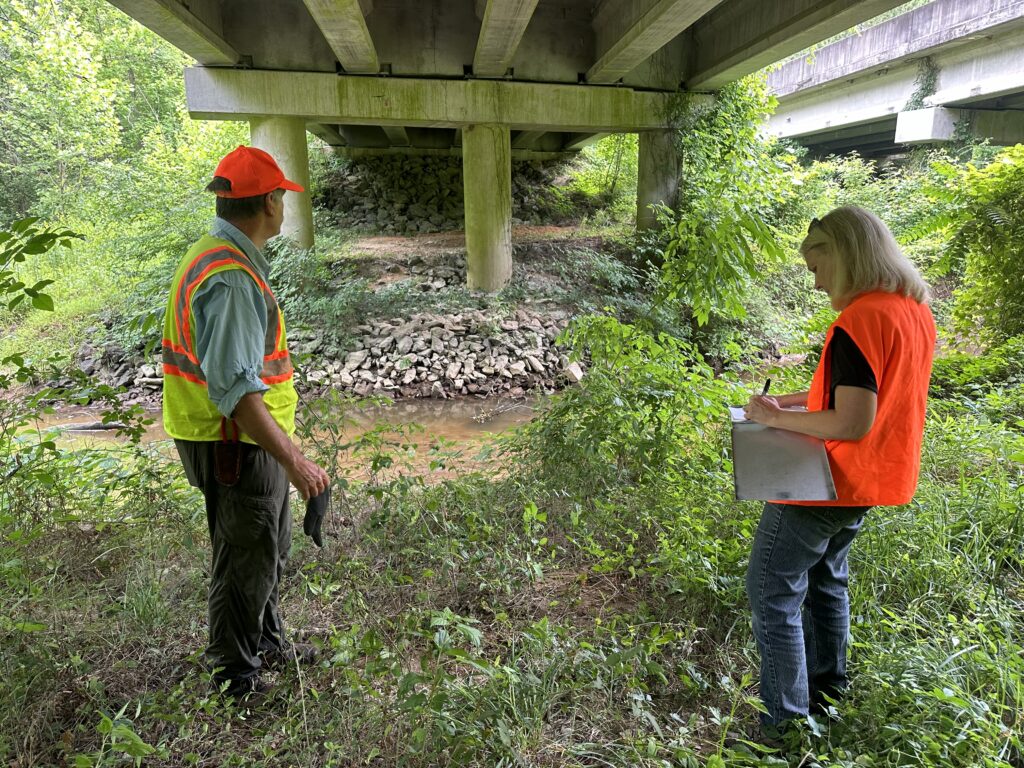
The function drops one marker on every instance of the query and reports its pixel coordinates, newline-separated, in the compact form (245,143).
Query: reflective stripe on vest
(189,413)
(896,335)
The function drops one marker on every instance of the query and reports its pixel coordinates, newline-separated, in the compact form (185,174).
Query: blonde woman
(867,402)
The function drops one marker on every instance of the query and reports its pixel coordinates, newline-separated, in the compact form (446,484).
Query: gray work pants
(251,529)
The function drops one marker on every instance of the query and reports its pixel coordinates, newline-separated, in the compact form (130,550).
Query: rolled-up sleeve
(230,328)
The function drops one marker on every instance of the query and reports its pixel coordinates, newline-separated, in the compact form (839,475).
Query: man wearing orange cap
(229,404)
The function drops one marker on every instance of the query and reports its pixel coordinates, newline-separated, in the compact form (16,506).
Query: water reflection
(460,420)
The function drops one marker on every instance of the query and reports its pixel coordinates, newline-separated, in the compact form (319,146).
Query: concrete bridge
(486,79)
(949,69)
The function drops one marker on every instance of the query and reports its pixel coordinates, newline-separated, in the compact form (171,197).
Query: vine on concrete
(924,84)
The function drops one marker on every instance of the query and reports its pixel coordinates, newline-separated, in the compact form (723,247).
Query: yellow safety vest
(189,414)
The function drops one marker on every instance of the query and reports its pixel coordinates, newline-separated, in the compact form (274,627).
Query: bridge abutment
(285,139)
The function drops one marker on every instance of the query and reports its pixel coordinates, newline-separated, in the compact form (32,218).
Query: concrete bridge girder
(344,27)
(912,36)
(738,38)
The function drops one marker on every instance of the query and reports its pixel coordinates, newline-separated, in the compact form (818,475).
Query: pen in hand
(767,383)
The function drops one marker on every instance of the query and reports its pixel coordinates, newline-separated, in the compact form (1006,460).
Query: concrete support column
(657,176)
(487,186)
(285,139)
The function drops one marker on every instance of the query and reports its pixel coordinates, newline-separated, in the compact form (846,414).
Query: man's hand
(309,479)
(255,420)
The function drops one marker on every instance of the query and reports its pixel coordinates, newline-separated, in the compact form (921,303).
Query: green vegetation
(584,605)
(573,594)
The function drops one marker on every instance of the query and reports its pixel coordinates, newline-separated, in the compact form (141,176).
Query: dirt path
(447,242)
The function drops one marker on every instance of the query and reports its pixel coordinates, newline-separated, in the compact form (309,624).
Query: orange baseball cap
(252,172)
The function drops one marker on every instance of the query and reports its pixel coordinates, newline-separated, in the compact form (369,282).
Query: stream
(462,421)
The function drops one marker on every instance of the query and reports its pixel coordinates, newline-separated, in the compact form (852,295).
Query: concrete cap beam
(501,30)
(920,126)
(940,124)
(744,36)
(344,28)
(660,23)
(176,24)
(223,94)
(453,151)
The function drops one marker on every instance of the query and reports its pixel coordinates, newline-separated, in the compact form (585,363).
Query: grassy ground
(535,613)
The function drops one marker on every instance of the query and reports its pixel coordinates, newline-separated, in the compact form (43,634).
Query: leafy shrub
(629,418)
(606,174)
(973,374)
(981,212)
(730,181)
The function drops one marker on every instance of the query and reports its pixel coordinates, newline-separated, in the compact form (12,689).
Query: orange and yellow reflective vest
(189,413)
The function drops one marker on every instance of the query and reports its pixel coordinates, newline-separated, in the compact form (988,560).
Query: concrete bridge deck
(949,68)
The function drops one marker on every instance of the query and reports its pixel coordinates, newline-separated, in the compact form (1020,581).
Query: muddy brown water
(463,422)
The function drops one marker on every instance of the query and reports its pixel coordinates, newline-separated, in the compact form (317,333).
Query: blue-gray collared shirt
(231,325)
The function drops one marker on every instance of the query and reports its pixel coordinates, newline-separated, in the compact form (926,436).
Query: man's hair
(867,256)
(237,208)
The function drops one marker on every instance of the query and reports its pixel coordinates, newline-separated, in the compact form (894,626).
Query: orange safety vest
(896,335)
(188,412)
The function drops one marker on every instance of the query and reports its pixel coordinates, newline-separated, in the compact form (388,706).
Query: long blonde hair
(866,255)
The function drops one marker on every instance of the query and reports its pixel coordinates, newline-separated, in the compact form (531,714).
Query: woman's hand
(762,409)
(851,419)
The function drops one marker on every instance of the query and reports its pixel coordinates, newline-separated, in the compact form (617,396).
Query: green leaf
(29,626)
(40,243)
(43,301)
(23,224)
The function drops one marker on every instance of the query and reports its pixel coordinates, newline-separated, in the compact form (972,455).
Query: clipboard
(778,465)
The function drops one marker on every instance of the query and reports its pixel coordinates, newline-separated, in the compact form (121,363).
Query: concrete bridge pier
(657,176)
(285,139)
(487,187)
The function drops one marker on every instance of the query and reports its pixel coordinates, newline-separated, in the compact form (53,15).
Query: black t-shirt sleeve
(849,367)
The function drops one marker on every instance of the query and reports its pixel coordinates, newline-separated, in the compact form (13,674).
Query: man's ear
(268,203)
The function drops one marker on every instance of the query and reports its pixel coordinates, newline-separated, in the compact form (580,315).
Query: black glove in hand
(316,508)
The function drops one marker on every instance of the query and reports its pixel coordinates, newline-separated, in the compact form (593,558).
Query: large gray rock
(573,373)
(355,359)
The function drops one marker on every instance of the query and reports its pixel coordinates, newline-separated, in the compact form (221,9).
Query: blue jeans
(797,584)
